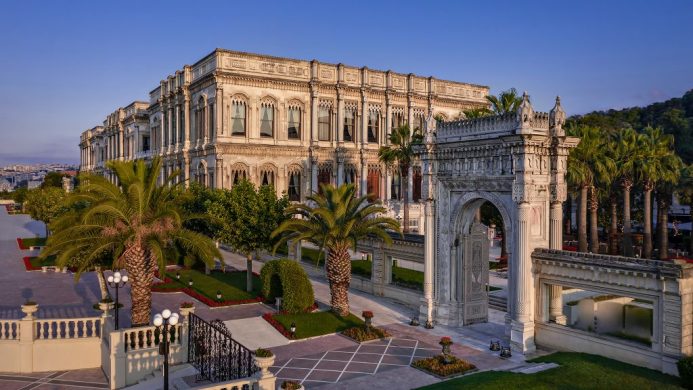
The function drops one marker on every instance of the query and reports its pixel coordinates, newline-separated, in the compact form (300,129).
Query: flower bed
(361,334)
(34,264)
(436,366)
(20,242)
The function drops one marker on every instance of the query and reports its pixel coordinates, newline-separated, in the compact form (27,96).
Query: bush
(287,279)
(685,367)
(364,333)
(437,365)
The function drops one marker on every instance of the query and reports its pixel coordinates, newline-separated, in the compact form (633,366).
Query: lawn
(361,268)
(577,371)
(231,284)
(408,278)
(310,255)
(318,323)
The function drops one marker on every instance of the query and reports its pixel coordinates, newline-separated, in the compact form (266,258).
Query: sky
(65,65)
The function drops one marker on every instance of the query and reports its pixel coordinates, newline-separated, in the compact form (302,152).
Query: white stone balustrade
(68,328)
(9,329)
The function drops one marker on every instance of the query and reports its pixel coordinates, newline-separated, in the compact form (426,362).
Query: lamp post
(162,322)
(117,281)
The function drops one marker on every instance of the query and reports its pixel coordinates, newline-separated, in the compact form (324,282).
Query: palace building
(290,123)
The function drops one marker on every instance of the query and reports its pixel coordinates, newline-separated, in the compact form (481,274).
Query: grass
(317,323)
(34,241)
(407,278)
(310,255)
(231,284)
(361,268)
(577,371)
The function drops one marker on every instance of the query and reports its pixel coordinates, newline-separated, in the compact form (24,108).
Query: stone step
(498,303)
(533,368)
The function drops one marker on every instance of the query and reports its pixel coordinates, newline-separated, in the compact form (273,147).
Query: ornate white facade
(286,122)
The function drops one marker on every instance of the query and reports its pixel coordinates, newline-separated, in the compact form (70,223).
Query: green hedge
(685,367)
(286,278)
(362,268)
(408,278)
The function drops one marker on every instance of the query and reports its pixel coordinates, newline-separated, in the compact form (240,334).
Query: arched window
(324,177)
(294,191)
(349,123)
(238,117)
(267,179)
(373,126)
(267,119)
(324,128)
(397,118)
(201,112)
(419,120)
(294,119)
(396,186)
(350,175)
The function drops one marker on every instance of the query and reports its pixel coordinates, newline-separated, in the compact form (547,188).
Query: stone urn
(264,363)
(29,309)
(186,311)
(105,307)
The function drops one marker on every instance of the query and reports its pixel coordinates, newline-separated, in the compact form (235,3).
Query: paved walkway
(61,380)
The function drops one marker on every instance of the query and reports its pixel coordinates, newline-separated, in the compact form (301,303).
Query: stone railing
(32,345)
(9,329)
(68,328)
(238,384)
(484,127)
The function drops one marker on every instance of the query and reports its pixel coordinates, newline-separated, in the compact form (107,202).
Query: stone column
(205,121)
(429,251)
(364,120)
(340,120)
(169,126)
(410,183)
(314,174)
(340,166)
(26,332)
(363,191)
(313,114)
(186,136)
(522,326)
(176,130)
(556,242)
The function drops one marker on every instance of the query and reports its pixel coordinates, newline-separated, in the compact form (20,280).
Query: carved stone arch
(268,99)
(294,174)
(239,97)
(237,171)
(267,174)
(296,103)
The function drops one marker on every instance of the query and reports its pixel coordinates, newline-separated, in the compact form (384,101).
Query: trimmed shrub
(286,278)
(685,367)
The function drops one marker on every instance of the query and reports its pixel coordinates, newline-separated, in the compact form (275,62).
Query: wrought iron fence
(215,354)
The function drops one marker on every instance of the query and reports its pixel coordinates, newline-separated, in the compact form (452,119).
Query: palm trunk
(102,282)
(613,233)
(249,272)
(582,222)
(338,269)
(627,239)
(569,216)
(647,228)
(405,196)
(663,226)
(594,225)
(138,263)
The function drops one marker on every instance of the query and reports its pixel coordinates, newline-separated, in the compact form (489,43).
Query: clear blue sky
(64,64)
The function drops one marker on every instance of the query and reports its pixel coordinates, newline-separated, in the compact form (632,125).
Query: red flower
(367,314)
(445,340)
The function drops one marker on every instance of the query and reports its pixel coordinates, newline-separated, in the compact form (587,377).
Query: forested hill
(674,116)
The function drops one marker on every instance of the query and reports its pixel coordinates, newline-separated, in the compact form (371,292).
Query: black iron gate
(216,355)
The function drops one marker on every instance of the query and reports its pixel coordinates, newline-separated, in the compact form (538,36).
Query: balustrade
(9,330)
(148,337)
(68,328)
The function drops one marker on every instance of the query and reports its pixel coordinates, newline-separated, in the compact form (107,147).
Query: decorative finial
(525,111)
(557,119)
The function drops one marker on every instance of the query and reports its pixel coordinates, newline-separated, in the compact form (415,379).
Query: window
(201,111)
(267,178)
(396,185)
(324,177)
(266,120)
(145,143)
(181,136)
(174,129)
(210,129)
(294,130)
(349,125)
(324,124)
(419,122)
(295,187)
(164,125)
(397,120)
(238,118)
(373,184)
(373,126)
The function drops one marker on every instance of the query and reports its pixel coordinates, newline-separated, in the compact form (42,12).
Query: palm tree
(684,191)
(473,113)
(137,222)
(657,162)
(506,102)
(400,153)
(335,219)
(626,154)
(602,167)
(580,173)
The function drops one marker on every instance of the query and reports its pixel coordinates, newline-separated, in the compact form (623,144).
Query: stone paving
(60,380)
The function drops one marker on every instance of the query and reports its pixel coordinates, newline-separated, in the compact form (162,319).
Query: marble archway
(517,162)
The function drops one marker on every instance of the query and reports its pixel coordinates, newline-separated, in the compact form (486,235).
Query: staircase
(498,302)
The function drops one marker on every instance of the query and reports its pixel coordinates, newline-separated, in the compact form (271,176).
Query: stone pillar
(186,136)
(429,252)
(364,120)
(313,114)
(410,184)
(363,191)
(26,339)
(314,174)
(176,130)
(522,325)
(169,126)
(340,119)
(340,167)
(556,242)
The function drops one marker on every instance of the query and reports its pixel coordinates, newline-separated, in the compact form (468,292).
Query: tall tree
(684,191)
(53,179)
(45,204)
(336,219)
(626,155)
(506,102)
(136,221)
(399,154)
(247,218)
(657,163)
